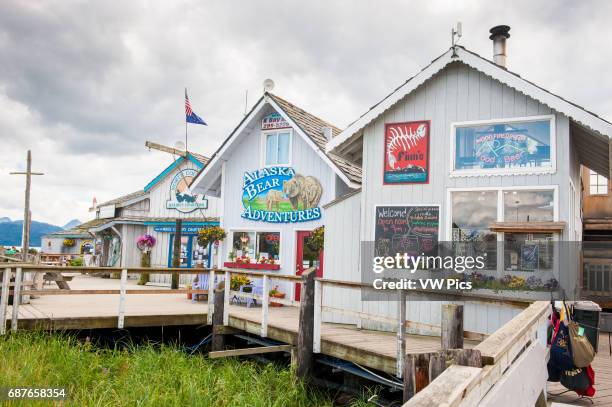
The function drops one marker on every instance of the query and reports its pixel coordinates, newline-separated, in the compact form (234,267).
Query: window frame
(504,171)
(500,202)
(500,212)
(597,185)
(264,139)
(256,231)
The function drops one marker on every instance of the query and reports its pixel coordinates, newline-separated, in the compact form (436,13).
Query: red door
(306,257)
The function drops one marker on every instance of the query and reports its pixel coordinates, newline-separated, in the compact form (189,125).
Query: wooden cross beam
(249,351)
(25,237)
(165,149)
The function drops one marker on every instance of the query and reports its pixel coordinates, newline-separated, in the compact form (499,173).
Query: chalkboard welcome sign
(406,229)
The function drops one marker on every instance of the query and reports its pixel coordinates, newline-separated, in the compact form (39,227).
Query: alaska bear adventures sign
(280,195)
(406,153)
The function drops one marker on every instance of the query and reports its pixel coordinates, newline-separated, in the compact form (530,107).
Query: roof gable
(307,125)
(475,61)
(197,159)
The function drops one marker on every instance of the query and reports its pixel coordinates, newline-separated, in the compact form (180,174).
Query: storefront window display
(528,252)
(255,246)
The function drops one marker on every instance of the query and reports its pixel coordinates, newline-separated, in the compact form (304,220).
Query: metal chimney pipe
(499,34)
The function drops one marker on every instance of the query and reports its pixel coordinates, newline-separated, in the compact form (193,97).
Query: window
(598,184)
(510,146)
(255,245)
(529,206)
(528,252)
(277,148)
(472,214)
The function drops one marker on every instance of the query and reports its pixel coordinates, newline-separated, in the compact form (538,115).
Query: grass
(144,376)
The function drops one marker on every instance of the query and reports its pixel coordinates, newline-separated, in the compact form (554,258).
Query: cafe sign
(406,153)
(280,195)
(181,198)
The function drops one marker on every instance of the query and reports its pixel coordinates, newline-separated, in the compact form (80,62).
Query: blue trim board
(171,223)
(163,174)
(195,161)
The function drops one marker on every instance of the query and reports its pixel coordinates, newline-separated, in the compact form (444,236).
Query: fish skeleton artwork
(400,139)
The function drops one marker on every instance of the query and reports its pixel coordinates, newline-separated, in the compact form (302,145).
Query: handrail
(467,386)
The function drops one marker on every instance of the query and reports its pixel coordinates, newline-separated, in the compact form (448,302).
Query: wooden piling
(176,252)
(218,339)
(452,326)
(305,359)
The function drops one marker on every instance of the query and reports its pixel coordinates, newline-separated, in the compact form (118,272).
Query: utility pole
(27,214)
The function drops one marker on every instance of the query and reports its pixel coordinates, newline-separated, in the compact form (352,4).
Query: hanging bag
(560,349)
(576,379)
(582,350)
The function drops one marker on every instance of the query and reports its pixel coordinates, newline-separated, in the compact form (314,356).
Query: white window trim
(254,230)
(597,175)
(505,171)
(264,135)
(408,204)
(500,202)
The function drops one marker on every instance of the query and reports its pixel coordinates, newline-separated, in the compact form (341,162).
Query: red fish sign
(406,153)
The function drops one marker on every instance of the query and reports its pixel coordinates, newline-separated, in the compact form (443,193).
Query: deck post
(318,316)
(401,334)
(6,280)
(16,299)
(305,341)
(122,289)
(264,307)
(452,326)
(218,340)
(226,297)
(211,296)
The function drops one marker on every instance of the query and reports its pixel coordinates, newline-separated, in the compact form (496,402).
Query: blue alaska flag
(190,116)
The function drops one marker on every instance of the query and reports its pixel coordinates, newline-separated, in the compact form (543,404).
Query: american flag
(190,116)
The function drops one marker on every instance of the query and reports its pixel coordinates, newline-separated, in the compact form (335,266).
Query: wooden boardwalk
(373,349)
(603,381)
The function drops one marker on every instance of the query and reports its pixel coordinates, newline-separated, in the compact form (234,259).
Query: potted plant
(145,243)
(68,243)
(275,293)
(211,234)
(238,281)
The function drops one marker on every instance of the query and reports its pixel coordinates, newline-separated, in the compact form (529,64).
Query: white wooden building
(154,210)
(532,195)
(274,178)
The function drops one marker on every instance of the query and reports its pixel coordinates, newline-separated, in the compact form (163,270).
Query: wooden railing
(515,353)
(503,353)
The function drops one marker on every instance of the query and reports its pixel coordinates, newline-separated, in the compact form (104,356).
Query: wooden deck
(603,381)
(372,349)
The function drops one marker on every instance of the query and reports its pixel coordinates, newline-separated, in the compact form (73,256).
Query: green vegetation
(144,376)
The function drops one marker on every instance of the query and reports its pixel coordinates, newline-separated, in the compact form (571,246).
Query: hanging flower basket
(68,243)
(145,242)
(212,234)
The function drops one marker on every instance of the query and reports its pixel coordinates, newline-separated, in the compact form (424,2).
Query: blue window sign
(512,146)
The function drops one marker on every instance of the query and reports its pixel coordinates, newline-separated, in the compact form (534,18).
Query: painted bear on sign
(306,190)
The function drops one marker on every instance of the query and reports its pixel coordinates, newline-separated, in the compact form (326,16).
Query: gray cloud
(84,84)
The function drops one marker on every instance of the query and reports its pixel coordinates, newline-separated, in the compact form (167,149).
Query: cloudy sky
(85,84)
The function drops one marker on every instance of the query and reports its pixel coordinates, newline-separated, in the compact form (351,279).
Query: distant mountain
(10,232)
(5,219)
(72,224)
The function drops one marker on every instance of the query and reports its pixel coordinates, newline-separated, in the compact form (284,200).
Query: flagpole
(185,124)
